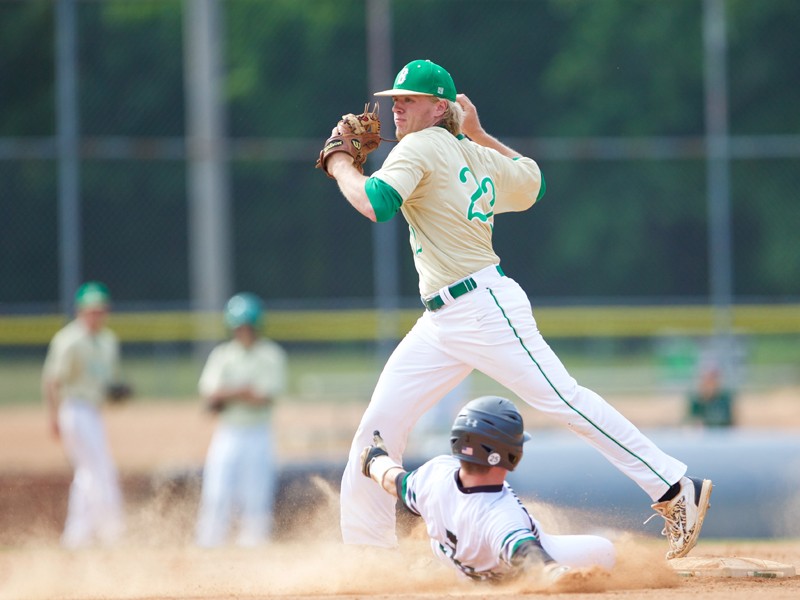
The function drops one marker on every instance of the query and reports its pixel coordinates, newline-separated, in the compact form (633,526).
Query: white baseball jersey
(475,530)
(450,189)
(478,530)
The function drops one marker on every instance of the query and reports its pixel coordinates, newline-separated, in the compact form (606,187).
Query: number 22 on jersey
(482,198)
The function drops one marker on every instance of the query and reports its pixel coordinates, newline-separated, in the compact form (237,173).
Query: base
(735,566)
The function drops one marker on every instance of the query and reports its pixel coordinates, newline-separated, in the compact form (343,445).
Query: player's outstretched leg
(684,514)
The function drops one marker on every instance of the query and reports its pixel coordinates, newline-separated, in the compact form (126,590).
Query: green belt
(458,289)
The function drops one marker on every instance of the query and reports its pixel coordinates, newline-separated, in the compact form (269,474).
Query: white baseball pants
(579,551)
(238,481)
(94,512)
(491,329)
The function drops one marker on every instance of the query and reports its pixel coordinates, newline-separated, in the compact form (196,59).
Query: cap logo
(466,450)
(440,90)
(493,459)
(470,422)
(401,76)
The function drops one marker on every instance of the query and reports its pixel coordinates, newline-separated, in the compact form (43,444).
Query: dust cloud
(157,560)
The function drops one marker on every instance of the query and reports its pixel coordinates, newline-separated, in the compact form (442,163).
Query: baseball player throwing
(82,363)
(475,521)
(450,179)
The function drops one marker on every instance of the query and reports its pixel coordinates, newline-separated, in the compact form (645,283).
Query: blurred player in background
(475,521)
(82,364)
(711,403)
(240,381)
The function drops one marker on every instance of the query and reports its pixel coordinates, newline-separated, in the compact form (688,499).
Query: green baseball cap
(244,309)
(422,78)
(92,294)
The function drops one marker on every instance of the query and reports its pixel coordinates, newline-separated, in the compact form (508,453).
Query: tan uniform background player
(82,361)
(450,178)
(240,381)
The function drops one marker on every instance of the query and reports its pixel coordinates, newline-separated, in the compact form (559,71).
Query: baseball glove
(358,135)
(118,392)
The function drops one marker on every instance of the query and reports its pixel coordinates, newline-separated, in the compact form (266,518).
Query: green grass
(162,373)
(334,372)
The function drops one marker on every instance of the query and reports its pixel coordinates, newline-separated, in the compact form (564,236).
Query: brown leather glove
(358,135)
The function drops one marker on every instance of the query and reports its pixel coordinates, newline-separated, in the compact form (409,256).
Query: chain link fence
(607,96)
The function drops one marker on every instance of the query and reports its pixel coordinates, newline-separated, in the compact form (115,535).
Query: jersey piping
(561,397)
(403,491)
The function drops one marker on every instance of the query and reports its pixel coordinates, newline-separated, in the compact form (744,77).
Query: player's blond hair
(453,117)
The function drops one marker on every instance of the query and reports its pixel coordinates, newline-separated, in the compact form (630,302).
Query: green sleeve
(384,199)
(542,188)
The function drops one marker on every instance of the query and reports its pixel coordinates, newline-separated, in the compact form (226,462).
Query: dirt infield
(314,566)
(158,561)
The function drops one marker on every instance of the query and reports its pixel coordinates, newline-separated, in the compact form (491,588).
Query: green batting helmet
(244,309)
(489,431)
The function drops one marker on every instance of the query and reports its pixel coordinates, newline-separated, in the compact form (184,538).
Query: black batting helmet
(489,431)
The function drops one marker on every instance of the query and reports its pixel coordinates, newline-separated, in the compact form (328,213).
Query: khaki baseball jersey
(261,367)
(475,530)
(82,363)
(451,189)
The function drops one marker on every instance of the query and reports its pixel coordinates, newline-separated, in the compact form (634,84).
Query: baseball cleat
(684,515)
